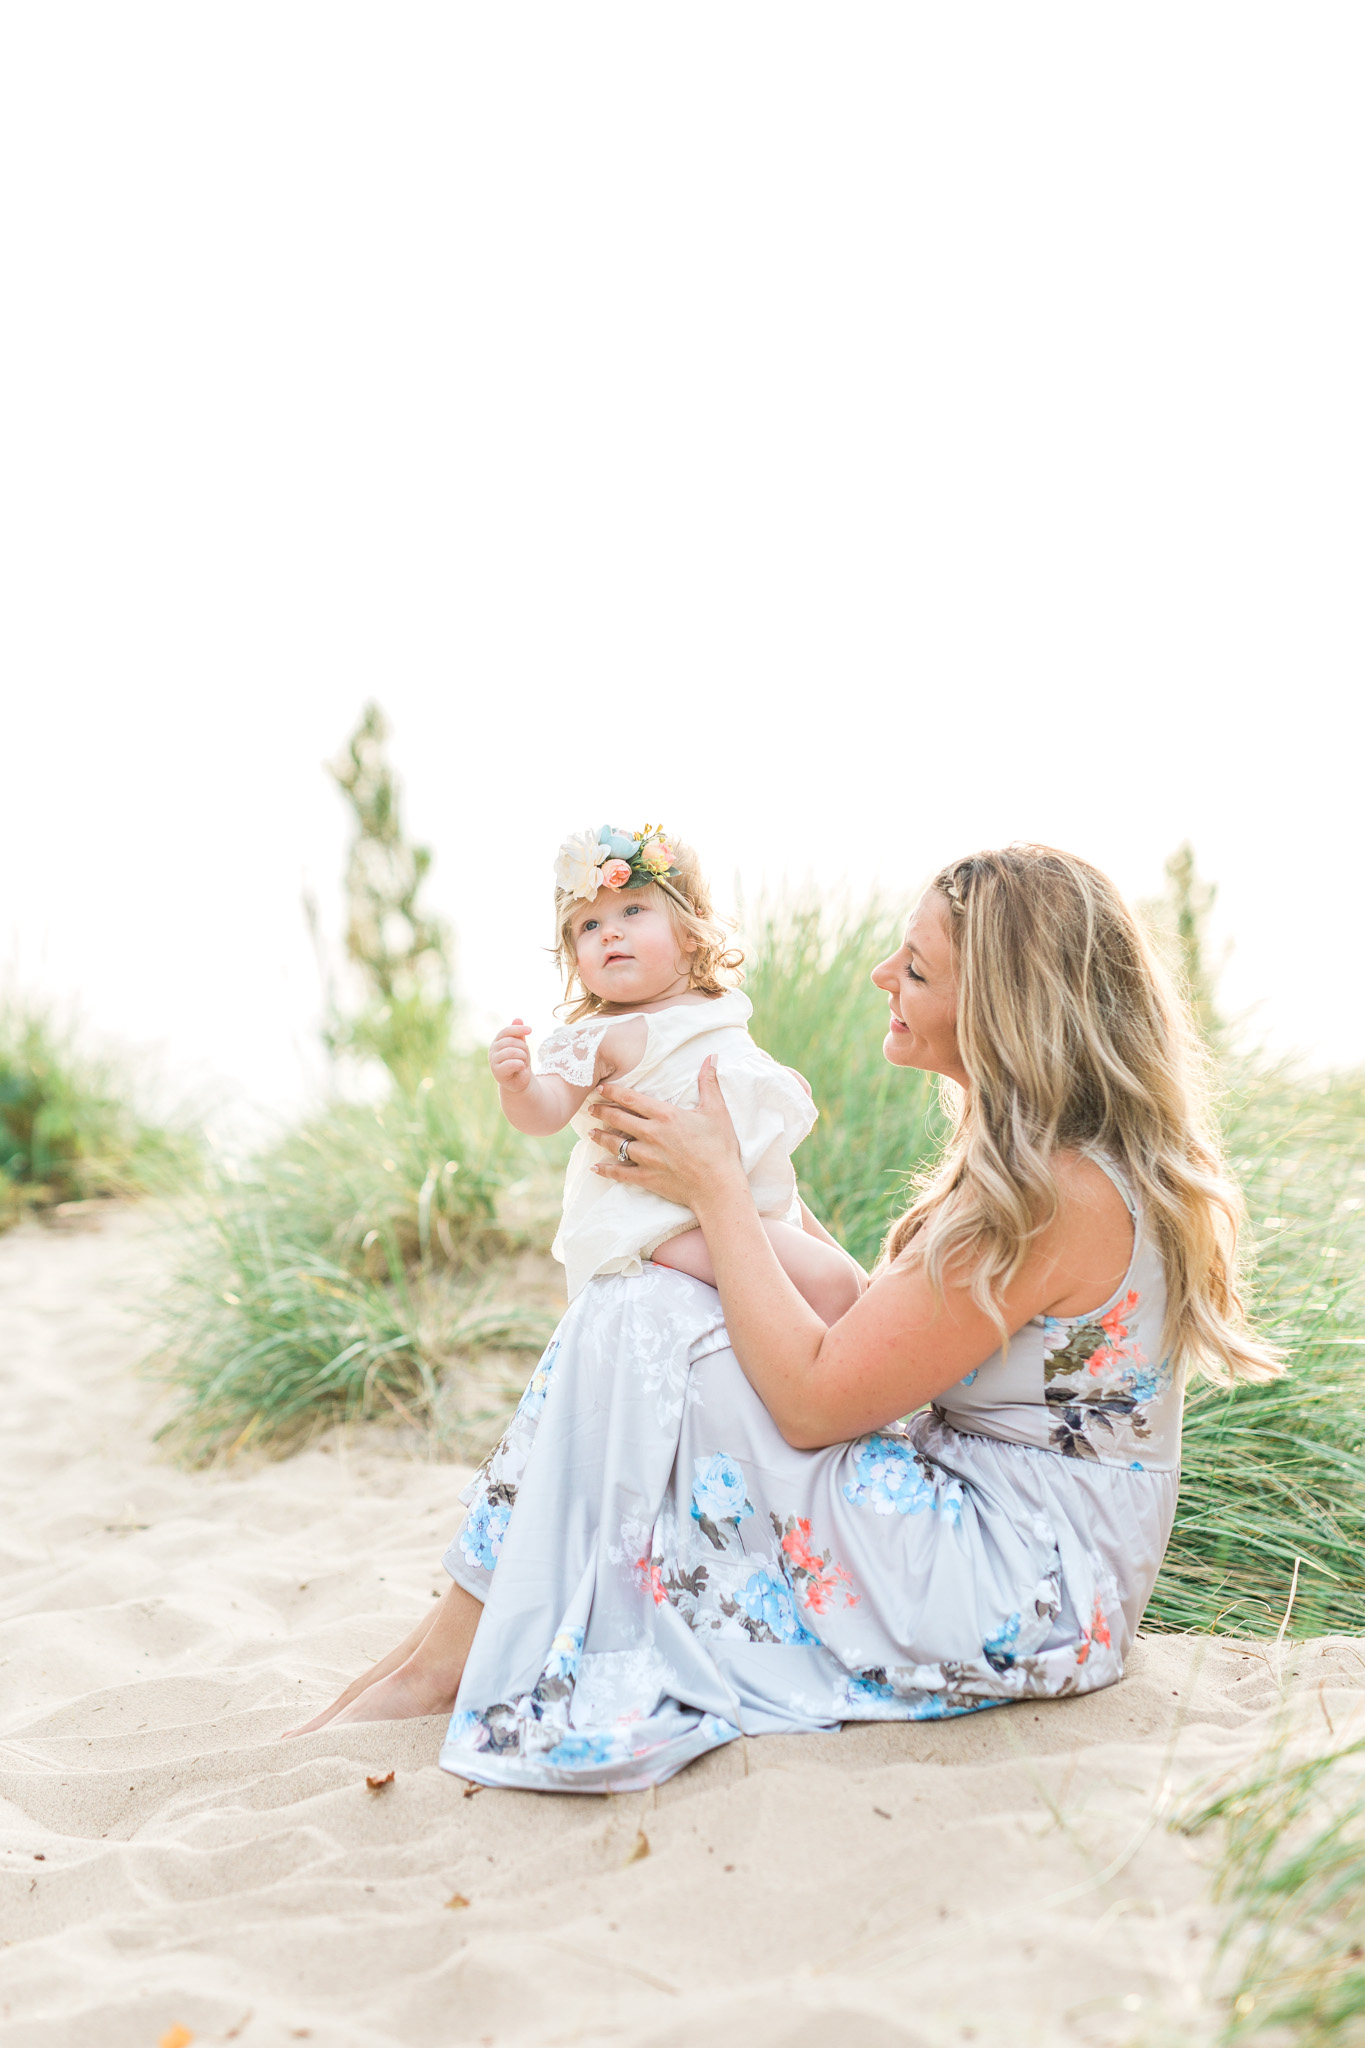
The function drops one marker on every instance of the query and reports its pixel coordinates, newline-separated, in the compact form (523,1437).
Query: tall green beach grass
(371,1260)
(71,1128)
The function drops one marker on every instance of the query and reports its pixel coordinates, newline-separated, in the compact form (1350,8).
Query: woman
(706,1519)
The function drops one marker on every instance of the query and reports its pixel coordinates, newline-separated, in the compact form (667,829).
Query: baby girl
(644,953)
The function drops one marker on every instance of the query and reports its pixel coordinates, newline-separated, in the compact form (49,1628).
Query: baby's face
(627,949)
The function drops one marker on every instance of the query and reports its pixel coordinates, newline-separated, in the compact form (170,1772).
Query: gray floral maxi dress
(662,1572)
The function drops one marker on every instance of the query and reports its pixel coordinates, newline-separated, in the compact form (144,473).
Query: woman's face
(921,983)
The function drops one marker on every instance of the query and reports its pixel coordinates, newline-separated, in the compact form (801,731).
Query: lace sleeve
(571,1052)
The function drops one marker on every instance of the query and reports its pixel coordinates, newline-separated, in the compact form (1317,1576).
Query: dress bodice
(1094,1386)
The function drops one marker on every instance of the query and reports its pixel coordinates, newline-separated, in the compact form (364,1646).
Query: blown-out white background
(848,434)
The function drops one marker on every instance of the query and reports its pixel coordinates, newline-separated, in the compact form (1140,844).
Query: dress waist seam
(1020,1443)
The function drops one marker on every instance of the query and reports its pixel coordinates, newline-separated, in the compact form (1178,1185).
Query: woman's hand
(681,1154)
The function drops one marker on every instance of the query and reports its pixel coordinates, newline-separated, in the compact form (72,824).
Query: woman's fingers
(631,1099)
(624,1122)
(708,1085)
(612,1139)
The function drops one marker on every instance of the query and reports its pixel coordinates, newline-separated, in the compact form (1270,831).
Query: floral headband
(589,861)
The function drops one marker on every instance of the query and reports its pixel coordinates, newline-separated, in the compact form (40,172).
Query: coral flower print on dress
(1098,1632)
(1097,1382)
(814,1579)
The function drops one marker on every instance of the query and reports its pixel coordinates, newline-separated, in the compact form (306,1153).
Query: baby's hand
(510,1057)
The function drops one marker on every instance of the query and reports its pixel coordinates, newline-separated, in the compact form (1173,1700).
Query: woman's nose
(882,976)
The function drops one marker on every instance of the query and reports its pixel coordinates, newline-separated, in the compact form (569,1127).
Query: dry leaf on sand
(378,1784)
(455,1901)
(641,1846)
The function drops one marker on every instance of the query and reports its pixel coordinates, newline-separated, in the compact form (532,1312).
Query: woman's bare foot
(368,1678)
(401,1696)
(421,1676)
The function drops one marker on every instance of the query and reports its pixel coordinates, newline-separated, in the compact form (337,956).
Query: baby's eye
(589,925)
(633,909)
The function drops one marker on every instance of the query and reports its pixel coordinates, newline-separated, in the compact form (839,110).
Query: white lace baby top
(610,1228)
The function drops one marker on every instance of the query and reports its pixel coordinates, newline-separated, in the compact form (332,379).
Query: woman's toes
(402,1696)
(318,1720)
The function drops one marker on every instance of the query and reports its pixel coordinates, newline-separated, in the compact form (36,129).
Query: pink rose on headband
(615,874)
(657,854)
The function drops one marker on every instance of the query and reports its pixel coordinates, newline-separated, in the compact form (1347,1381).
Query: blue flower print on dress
(484,1528)
(577,1752)
(768,1604)
(1097,1381)
(968,1377)
(718,1496)
(999,1648)
(718,1490)
(869,1685)
(533,1400)
(892,1479)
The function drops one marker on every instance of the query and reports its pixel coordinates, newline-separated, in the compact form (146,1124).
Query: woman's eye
(911,974)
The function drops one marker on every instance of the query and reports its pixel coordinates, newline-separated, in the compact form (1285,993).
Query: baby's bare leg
(686,1254)
(822,1275)
(826,1279)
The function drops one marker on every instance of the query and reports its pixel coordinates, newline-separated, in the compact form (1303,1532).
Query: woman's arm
(896,1348)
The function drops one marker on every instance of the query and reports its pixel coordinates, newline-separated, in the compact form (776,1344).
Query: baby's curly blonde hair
(713,967)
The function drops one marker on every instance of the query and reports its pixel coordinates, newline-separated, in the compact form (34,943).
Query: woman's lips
(896,1024)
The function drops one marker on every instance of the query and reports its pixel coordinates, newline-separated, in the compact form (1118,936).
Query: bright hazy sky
(849,435)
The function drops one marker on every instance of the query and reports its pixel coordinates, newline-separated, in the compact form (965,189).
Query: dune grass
(70,1126)
(1272,1494)
(1291,1875)
(350,1266)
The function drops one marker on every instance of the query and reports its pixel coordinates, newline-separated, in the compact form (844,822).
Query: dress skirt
(661,1572)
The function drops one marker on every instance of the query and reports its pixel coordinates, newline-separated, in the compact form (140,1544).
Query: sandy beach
(168,1863)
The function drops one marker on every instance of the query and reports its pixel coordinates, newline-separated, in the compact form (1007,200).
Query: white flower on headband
(578,865)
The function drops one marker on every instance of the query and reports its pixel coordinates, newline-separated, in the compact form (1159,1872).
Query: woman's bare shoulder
(1089,1242)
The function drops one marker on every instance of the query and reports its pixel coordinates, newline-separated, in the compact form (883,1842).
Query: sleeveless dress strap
(1119,1178)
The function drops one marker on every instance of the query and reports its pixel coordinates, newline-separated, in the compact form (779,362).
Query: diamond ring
(623,1152)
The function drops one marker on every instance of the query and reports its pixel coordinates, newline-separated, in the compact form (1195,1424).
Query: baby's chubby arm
(540,1104)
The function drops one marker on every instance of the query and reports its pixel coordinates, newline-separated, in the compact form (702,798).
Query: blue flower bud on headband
(621,843)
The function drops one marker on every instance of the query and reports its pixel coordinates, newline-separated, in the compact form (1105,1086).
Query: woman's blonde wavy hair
(713,967)
(1073,1036)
